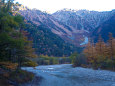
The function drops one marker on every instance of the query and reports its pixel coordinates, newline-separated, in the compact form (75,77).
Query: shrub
(30,64)
(79,60)
(21,76)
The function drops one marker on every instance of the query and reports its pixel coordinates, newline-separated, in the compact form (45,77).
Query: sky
(52,6)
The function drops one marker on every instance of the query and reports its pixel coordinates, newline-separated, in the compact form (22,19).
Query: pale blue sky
(54,5)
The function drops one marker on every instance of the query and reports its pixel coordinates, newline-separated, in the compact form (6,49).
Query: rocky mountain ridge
(71,25)
(91,18)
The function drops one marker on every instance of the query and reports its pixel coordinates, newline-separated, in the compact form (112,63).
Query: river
(66,75)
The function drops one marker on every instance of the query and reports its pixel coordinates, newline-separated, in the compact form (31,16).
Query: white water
(65,75)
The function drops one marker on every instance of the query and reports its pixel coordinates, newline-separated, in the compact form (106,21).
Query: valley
(70,25)
(65,48)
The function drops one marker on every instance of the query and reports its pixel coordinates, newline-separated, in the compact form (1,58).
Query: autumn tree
(90,52)
(101,54)
(111,48)
(100,48)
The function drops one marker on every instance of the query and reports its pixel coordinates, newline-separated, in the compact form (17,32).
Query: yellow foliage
(9,65)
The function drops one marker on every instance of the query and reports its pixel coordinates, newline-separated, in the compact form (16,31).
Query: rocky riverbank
(35,82)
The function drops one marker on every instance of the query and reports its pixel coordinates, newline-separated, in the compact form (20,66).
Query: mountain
(66,32)
(46,32)
(104,29)
(41,18)
(83,22)
(95,18)
(46,42)
(82,19)
(73,26)
(70,18)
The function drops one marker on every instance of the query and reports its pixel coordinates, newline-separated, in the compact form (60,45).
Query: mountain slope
(72,26)
(42,18)
(66,32)
(83,22)
(83,19)
(70,18)
(47,43)
(104,29)
(95,18)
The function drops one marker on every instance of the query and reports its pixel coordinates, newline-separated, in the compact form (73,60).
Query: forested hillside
(47,43)
(104,29)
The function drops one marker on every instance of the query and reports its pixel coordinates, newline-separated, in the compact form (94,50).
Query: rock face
(42,18)
(95,18)
(71,25)
(83,19)
(72,19)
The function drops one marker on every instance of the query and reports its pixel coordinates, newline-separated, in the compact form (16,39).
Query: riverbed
(66,75)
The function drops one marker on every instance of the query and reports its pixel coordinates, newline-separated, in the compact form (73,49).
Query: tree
(14,44)
(100,51)
(111,48)
(80,60)
(6,5)
(101,54)
(73,57)
(89,52)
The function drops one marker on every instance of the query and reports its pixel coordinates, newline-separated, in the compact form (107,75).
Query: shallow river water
(66,75)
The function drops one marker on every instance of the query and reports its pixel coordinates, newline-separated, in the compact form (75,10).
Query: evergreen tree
(14,44)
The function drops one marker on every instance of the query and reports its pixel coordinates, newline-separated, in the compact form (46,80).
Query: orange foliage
(9,65)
